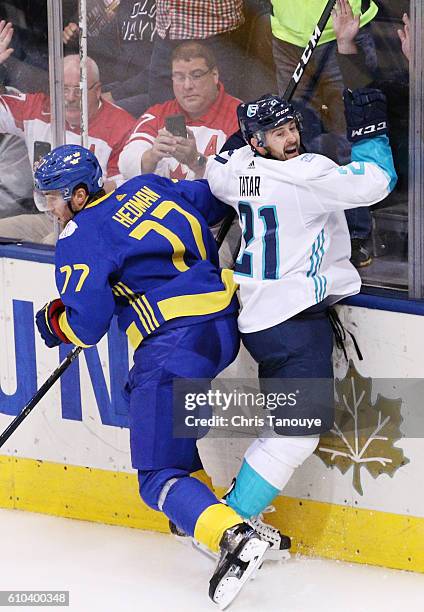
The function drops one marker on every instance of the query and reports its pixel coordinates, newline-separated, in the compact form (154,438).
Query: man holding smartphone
(174,139)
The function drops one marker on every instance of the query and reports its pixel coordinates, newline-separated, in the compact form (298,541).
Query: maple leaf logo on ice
(364,433)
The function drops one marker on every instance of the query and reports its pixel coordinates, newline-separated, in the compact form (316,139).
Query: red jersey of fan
(210,130)
(28,116)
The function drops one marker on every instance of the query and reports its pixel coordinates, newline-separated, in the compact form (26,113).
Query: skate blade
(205,550)
(191,542)
(273,556)
(229,587)
(277,555)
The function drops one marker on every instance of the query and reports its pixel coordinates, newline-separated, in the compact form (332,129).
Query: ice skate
(279,544)
(241,553)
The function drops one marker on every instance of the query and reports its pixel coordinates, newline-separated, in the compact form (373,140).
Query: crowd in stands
(152,60)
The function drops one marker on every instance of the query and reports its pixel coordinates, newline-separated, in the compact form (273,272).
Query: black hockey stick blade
(54,376)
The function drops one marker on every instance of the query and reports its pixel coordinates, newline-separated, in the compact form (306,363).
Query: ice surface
(115,569)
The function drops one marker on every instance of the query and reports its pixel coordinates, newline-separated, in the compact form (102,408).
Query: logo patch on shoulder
(70,228)
(307,157)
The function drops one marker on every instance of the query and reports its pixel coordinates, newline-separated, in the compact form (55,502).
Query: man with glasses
(28,117)
(217,25)
(209,115)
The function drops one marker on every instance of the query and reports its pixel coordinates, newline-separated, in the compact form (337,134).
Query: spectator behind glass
(405,37)
(209,113)
(16,182)
(210,116)
(27,69)
(320,89)
(28,116)
(321,85)
(214,24)
(120,40)
(352,62)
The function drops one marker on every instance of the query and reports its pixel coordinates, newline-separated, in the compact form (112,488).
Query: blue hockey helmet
(266,113)
(65,168)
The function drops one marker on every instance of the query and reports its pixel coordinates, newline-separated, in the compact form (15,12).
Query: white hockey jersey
(296,245)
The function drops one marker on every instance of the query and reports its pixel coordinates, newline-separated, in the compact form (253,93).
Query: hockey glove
(47,320)
(365,112)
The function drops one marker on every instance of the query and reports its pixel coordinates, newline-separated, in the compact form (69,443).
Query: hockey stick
(309,49)
(288,94)
(72,355)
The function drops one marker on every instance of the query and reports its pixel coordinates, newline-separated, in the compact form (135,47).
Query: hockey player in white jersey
(294,261)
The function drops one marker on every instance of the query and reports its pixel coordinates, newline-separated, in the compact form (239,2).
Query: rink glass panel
(397,261)
(25,72)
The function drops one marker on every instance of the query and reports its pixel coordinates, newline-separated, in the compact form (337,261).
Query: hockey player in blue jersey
(144,252)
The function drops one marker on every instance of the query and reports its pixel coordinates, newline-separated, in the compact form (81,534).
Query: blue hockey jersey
(145,253)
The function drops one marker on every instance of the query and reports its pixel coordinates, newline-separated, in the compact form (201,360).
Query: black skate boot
(241,553)
(279,544)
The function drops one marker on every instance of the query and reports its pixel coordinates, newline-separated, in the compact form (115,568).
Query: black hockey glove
(365,112)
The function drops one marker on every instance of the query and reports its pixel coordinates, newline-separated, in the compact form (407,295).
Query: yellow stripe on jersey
(200,303)
(92,204)
(150,309)
(140,305)
(134,335)
(123,291)
(212,523)
(147,312)
(69,332)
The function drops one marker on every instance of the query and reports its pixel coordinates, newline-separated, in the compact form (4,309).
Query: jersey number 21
(269,252)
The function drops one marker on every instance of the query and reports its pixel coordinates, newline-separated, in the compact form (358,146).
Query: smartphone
(176,125)
(41,149)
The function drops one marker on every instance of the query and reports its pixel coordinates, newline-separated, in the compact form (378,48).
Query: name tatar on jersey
(250,186)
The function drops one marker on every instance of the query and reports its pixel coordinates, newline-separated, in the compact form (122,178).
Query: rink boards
(70,457)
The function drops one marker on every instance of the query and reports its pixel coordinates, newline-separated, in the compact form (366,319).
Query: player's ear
(255,144)
(79,198)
